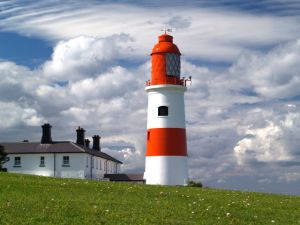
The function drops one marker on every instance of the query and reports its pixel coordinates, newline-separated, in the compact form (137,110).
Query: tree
(2,156)
(192,183)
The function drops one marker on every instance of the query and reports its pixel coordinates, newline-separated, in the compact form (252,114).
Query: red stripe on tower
(166,142)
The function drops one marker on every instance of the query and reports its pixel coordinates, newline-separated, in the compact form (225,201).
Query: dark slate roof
(125,177)
(54,147)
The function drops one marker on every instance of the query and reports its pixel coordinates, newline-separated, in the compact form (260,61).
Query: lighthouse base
(166,170)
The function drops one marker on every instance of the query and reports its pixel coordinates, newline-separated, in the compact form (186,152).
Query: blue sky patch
(26,51)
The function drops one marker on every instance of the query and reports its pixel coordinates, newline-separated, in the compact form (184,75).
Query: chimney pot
(80,136)
(96,142)
(87,143)
(46,137)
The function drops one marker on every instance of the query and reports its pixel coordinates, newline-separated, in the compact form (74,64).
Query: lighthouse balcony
(168,80)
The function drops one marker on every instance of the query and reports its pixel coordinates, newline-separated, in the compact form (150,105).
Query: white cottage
(60,158)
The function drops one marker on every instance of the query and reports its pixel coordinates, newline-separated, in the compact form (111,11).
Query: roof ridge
(80,148)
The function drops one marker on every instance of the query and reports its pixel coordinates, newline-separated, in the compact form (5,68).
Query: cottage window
(17,161)
(66,161)
(87,162)
(163,111)
(96,163)
(100,165)
(42,161)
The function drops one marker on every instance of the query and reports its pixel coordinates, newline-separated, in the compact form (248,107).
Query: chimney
(80,136)
(96,142)
(87,143)
(46,138)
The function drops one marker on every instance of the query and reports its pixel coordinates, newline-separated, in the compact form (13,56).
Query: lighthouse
(166,150)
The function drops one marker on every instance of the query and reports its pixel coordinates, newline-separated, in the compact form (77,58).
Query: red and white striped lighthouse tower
(166,153)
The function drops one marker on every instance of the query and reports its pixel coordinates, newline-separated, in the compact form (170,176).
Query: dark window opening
(66,161)
(17,161)
(42,161)
(163,111)
(148,135)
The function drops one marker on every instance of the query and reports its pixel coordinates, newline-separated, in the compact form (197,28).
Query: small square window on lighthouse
(163,111)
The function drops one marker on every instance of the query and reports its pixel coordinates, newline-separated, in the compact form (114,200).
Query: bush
(192,183)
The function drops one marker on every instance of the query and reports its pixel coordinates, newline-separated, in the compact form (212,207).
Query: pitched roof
(54,147)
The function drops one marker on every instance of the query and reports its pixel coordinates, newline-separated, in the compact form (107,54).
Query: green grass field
(34,200)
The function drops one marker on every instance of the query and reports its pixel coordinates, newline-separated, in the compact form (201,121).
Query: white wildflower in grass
(94,206)
(52,199)
(273,221)
(228,214)
(193,212)
(107,210)
(161,193)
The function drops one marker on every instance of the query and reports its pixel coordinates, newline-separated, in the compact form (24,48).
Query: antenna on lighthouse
(165,30)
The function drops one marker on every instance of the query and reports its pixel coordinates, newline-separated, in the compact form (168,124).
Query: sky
(84,63)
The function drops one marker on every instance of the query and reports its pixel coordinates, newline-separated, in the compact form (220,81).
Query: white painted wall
(76,169)
(168,95)
(30,164)
(95,167)
(79,166)
(166,170)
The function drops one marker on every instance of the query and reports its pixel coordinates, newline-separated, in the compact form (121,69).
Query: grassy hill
(34,200)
